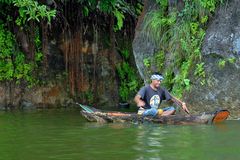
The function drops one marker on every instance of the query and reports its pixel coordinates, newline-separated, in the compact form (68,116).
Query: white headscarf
(157,77)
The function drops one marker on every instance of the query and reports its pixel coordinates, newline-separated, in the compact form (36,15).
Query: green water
(64,135)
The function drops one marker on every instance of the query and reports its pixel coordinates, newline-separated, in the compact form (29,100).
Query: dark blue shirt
(153,98)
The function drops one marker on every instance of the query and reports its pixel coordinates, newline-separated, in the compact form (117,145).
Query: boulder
(222,43)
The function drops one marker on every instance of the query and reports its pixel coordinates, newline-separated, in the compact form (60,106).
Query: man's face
(156,83)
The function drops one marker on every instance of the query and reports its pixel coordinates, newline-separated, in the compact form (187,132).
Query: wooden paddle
(179,103)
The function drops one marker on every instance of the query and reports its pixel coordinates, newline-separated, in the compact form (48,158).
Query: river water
(65,135)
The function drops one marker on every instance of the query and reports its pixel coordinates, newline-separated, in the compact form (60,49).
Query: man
(149,98)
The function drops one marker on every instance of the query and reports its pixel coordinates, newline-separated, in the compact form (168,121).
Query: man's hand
(184,107)
(141,103)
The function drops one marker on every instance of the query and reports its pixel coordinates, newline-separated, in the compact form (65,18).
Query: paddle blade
(86,108)
(220,116)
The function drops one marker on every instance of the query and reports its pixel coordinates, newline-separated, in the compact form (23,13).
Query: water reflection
(169,142)
(149,142)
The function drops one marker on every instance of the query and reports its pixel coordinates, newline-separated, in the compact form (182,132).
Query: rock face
(90,72)
(48,96)
(85,55)
(143,47)
(223,33)
(221,44)
(91,67)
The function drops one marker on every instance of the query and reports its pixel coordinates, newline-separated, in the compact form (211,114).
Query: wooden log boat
(95,115)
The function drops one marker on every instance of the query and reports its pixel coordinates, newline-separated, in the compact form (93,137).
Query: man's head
(156,79)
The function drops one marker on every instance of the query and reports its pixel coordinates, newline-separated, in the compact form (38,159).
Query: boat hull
(95,115)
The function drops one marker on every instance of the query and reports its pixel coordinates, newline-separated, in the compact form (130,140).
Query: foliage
(232,60)
(120,17)
(32,10)
(180,33)
(6,1)
(147,62)
(159,60)
(138,8)
(6,49)
(88,95)
(125,54)
(26,14)
(221,63)
(116,8)
(38,44)
(200,72)
(168,78)
(128,78)
(13,64)
(156,62)
(181,80)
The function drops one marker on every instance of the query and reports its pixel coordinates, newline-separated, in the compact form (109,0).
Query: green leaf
(85,11)
(120,17)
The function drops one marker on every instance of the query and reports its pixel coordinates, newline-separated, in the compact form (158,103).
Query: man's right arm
(139,101)
(139,97)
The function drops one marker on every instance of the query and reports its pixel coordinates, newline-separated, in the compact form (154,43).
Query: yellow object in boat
(160,111)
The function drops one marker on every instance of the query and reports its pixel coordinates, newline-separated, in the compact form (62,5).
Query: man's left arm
(168,96)
(180,103)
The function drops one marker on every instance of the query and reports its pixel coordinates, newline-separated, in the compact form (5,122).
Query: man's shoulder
(144,89)
(146,86)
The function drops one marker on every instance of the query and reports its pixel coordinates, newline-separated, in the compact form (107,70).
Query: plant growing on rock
(180,33)
(17,64)
(127,76)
